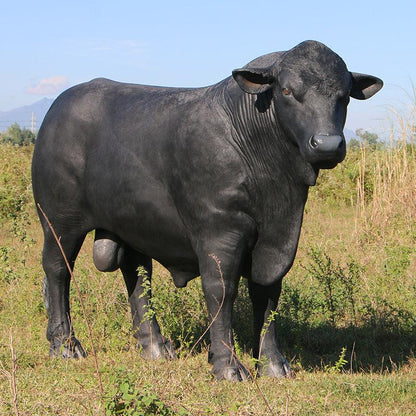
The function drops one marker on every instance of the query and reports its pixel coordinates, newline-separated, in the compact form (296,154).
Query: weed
(238,351)
(181,312)
(339,364)
(397,260)
(124,398)
(147,293)
(338,284)
(7,273)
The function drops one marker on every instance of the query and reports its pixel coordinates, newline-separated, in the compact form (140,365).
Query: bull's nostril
(313,142)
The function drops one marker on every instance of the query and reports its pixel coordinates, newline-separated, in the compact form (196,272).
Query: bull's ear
(364,86)
(253,80)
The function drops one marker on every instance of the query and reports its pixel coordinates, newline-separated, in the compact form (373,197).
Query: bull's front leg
(220,283)
(270,360)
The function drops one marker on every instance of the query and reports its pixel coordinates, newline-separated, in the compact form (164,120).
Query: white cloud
(49,86)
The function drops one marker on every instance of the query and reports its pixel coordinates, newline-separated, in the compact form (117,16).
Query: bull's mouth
(326,165)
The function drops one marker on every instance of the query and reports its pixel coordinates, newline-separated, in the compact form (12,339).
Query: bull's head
(311,88)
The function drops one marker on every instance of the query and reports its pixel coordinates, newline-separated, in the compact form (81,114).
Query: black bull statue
(193,178)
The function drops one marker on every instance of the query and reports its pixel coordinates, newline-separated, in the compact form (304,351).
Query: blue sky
(48,46)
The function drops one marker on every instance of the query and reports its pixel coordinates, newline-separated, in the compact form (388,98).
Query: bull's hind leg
(137,272)
(60,333)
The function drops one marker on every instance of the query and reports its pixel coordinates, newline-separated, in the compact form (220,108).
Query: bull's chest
(280,222)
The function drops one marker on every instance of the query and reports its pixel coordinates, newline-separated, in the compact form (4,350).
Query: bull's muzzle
(325,143)
(326,150)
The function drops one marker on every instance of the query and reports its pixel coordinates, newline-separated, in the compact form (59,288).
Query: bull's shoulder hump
(266,60)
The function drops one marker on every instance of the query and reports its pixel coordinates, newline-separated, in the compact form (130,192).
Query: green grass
(347,316)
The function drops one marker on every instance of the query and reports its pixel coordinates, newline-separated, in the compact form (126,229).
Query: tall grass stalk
(13,384)
(11,376)
(391,195)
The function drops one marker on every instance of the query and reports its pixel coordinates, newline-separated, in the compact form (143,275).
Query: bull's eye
(286,91)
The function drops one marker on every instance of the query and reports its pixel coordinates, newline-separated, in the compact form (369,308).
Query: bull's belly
(155,230)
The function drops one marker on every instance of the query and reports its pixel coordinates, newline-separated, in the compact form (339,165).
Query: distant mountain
(23,115)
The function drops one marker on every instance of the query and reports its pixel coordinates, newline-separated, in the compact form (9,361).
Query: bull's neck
(269,155)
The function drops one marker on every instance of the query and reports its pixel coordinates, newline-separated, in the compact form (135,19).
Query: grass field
(347,316)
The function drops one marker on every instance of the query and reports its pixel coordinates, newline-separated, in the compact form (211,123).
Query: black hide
(195,179)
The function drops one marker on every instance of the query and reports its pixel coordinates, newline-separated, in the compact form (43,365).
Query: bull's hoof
(157,351)
(236,372)
(279,368)
(71,348)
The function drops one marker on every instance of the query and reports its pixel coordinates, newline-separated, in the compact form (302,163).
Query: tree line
(17,136)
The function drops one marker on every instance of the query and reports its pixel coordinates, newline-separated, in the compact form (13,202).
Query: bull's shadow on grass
(310,339)
(379,343)
(370,347)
